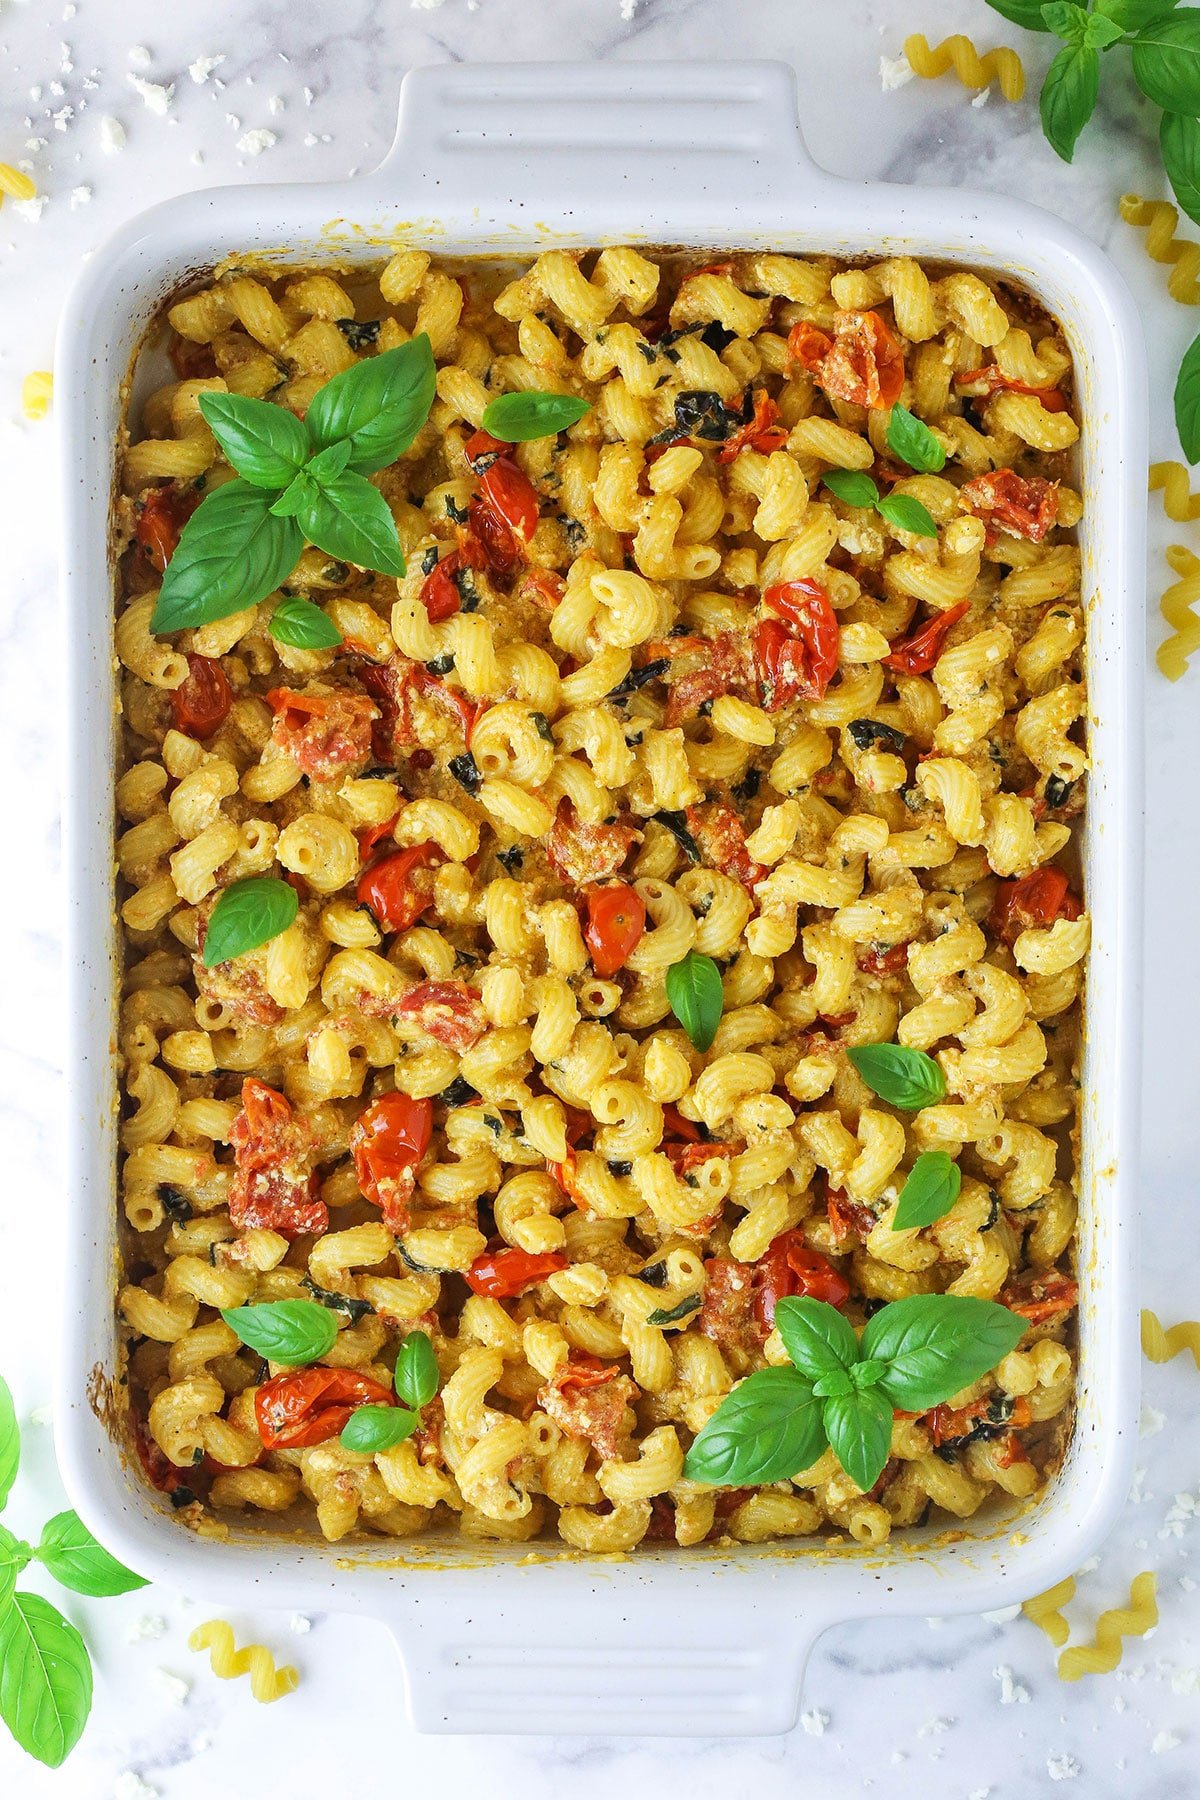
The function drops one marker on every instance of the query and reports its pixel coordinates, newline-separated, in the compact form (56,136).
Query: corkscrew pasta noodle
(1162,1342)
(871,831)
(974,68)
(269,1680)
(1102,1655)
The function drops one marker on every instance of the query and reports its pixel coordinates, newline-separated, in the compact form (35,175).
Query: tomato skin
(582,1370)
(439,595)
(1040,1297)
(1053,399)
(1033,900)
(542,588)
(683,1157)
(790,1267)
(917,654)
(616,923)
(883,962)
(164,514)
(1023,506)
(310,1406)
(270,1146)
(389,891)
(510,495)
(861,363)
(448,1011)
(201,702)
(579,852)
(502,1274)
(800,664)
(675,1123)
(762,432)
(387,1142)
(722,840)
(481,449)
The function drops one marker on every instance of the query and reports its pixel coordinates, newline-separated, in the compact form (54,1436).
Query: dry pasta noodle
(1045,1610)
(1162,1342)
(37,390)
(269,1680)
(1178,605)
(16,183)
(1174,482)
(1159,218)
(975,69)
(1103,1654)
(856,829)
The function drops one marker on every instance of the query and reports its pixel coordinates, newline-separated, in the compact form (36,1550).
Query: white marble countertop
(960,1708)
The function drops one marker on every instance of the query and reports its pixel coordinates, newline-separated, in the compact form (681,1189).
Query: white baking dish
(511,160)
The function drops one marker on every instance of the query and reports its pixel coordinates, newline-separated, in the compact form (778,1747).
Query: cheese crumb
(145,1629)
(300,1623)
(1062,1768)
(202,68)
(1003,1615)
(1151,1422)
(814,1722)
(934,1727)
(981,98)
(275,104)
(30,209)
(80,196)
(139,56)
(1165,1740)
(112,135)
(156,96)
(309,96)
(979,1793)
(895,72)
(130,1786)
(253,143)
(1012,1693)
(173,1687)
(233,121)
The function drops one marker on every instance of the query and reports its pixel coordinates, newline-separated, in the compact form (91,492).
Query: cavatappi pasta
(841,759)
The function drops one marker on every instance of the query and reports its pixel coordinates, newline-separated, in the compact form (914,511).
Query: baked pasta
(766,669)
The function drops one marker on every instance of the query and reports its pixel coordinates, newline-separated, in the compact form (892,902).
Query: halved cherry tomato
(370,835)
(761,432)
(683,1157)
(616,924)
(501,1274)
(790,1267)
(542,588)
(862,363)
(847,1218)
(164,514)
(157,1467)
(387,1142)
(1023,506)
(511,497)
(722,840)
(391,890)
(582,1370)
(917,654)
(465,712)
(201,702)
(439,594)
(1040,1297)
(309,1406)
(949,1422)
(675,1123)
(450,1012)
(1033,900)
(564,1173)
(993,377)
(272,1188)
(481,450)
(798,664)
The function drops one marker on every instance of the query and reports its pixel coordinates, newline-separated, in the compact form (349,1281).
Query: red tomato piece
(448,1011)
(201,702)
(761,432)
(722,840)
(579,852)
(862,363)
(797,664)
(439,594)
(790,1267)
(481,450)
(399,888)
(949,1422)
(371,835)
(917,654)
(726,667)
(1040,1297)
(1023,506)
(726,1311)
(387,1142)
(542,588)
(876,961)
(679,1127)
(683,1157)
(164,514)
(273,1188)
(501,1274)
(511,498)
(994,379)
(309,1406)
(616,923)
(322,733)
(192,362)
(1033,900)
(847,1218)
(589,1401)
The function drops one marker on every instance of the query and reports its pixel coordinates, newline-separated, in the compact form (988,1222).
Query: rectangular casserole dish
(509,161)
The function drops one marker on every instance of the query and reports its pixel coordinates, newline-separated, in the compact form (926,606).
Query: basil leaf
(1021,12)
(329,462)
(350,519)
(1066,20)
(696,996)
(74,1557)
(371,1428)
(266,444)
(296,621)
(1101,32)
(284,1331)
(1131,15)
(232,553)
(859,1429)
(295,497)
(379,405)
(416,1376)
(833,1385)
(905,1078)
(1166,61)
(816,1336)
(671,1315)
(1179,141)
(10,1442)
(933,1185)
(1187,402)
(1069,97)
(911,440)
(767,1429)
(249,913)
(515,418)
(907,514)
(14,1555)
(852,486)
(935,1344)
(45,1679)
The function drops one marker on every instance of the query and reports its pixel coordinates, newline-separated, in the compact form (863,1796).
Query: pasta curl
(973,68)
(268,1680)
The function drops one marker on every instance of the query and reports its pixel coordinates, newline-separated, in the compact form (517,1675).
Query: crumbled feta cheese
(1180,1514)
(1165,1740)
(145,1629)
(1085,1568)
(35,93)
(65,64)
(979,1793)
(1062,1768)
(112,135)
(233,121)
(934,1727)
(30,209)
(80,196)
(253,143)
(130,1786)
(311,140)
(200,1743)
(981,98)
(62,118)
(814,1722)
(309,96)
(89,84)
(300,1623)
(628,7)
(275,104)
(69,11)
(202,68)
(1185,1681)
(1137,1490)
(57,89)
(894,72)
(139,56)
(198,157)
(1012,1693)
(156,96)
(173,1687)
(1187,1584)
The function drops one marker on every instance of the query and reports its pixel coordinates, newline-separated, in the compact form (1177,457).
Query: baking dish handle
(667,1666)
(533,139)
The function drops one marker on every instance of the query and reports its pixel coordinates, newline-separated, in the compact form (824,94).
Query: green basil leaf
(327,463)
(905,1078)
(1179,141)
(911,440)
(371,1428)
(696,997)
(350,519)
(284,1331)
(295,497)
(1187,402)
(1021,12)
(296,621)
(515,418)
(671,1315)
(816,1336)
(907,514)
(852,486)
(767,1429)
(1066,20)
(379,405)
(1101,32)
(1069,97)
(10,1442)
(933,1185)
(867,1374)
(45,1679)
(15,1553)
(416,1370)
(249,913)
(266,444)
(74,1557)
(1166,61)
(833,1385)
(859,1429)
(936,1344)
(232,553)
(1131,15)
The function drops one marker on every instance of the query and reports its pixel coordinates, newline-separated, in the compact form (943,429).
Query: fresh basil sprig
(80,1562)
(856,489)
(296,621)
(911,440)
(905,1078)
(933,1185)
(516,418)
(248,913)
(294,1332)
(373,1428)
(842,1391)
(696,996)
(299,481)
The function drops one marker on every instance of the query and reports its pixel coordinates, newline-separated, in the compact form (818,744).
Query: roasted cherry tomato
(1033,900)
(790,1267)
(580,852)
(761,432)
(510,497)
(1040,1297)
(481,450)
(862,362)
(542,588)
(684,1157)
(677,1126)
(439,593)
(721,837)
(848,1218)
(501,1274)
(1024,506)
(201,702)
(309,1406)
(995,380)
(164,514)
(371,835)
(399,888)
(582,1370)
(272,1187)
(877,961)
(387,1142)
(450,1012)
(949,1423)
(616,923)
(917,654)
(800,664)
